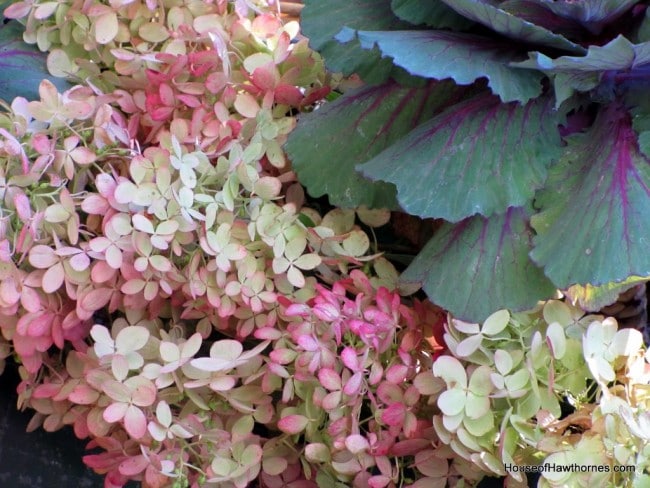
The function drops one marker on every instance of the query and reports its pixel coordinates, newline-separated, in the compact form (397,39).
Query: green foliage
(22,66)
(469,266)
(552,117)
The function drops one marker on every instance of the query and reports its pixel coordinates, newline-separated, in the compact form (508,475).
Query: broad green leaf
(639,105)
(593,298)
(322,21)
(584,73)
(617,54)
(477,157)
(538,14)
(328,143)
(592,14)
(481,265)
(463,57)
(488,14)
(644,143)
(643,33)
(593,225)
(433,13)
(22,66)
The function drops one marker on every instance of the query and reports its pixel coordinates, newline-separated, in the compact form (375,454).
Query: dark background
(38,459)
(43,459)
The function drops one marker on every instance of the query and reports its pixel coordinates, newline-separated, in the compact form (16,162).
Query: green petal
(452,402)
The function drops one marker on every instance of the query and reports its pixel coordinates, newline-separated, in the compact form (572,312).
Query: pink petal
(396,373)
(95,299)
(79,262)
(113,256)
(293,424)
(9,293)
(30,299)
(326,312)
(133,286)
(297,310)
(23,208)
(135,422)
(115,412)
(308,343)
(331,401)
(117,391)
(223,383)
(101,272)
(394,414)
(53,278)
(389,393)
(353,385)
(379,481)
(350,359)
(283,355)
(83,395)
(356,443)
(95,205)
(83,156)
(329,379)
(287,94)
(42,257)
(133,465)
(40,326)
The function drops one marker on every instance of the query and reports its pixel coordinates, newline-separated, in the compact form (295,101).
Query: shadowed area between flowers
(38,459)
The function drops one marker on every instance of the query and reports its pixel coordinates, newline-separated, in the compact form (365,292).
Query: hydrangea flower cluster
(550,386)
(337,390)
(171,295)
(105,207)
(160,268)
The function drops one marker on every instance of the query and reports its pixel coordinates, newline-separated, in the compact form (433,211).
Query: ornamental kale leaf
(524,124)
